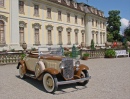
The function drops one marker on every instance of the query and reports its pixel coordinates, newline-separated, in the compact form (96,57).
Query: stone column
(88,31)
(14,22)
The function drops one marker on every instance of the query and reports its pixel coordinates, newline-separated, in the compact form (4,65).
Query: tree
(127,32)
(114,24)
(109,37)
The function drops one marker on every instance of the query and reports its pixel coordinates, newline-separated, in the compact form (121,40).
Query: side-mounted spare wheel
(50,83)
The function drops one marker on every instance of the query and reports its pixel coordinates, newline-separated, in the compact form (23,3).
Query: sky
(107,5)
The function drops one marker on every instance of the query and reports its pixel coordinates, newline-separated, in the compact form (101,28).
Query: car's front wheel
(21,72)
(50,83)
(84,74)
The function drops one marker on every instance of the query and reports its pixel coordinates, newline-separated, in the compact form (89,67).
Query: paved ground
(110,80)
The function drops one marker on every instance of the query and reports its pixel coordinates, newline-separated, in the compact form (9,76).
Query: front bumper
(73,81)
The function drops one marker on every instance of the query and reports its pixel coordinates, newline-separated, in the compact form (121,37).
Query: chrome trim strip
(73,81)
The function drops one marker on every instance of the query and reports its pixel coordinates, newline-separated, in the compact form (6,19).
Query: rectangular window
(101,25)
(76,19)
(49,13)
(82,21)
(59,15)
(36,10)
(93,22)
(96,23)
(21,7)
(68,17)
(1,3)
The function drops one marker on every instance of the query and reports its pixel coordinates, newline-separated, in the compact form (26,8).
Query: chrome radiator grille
(68,71)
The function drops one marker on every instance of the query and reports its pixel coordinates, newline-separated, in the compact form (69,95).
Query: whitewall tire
(50,83)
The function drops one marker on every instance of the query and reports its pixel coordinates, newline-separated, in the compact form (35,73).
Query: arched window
(21,35)
(76,36)
(2,35)
(69,35)
(37,28)
(37,42)
(49,30)
(60,29)
(83,35)
(22,25)
(69,38)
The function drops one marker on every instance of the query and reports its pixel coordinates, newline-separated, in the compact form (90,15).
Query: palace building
(50,23)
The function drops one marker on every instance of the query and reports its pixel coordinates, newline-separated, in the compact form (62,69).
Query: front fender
(51,71)
(81,68)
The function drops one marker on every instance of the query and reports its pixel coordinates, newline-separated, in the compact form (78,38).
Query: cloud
(124,25)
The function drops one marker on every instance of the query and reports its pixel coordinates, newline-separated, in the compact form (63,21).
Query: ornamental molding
(2,17)
(49,27)
(82,31)
(76,30)
(68,29)
(36,26)
(60,28)
(22,24)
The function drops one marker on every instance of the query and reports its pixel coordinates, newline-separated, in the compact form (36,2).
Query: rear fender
(81,68)
(22,62)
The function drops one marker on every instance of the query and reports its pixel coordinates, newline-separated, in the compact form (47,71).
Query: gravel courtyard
(110,80)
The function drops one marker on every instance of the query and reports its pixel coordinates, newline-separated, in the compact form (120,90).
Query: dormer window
(59,1)
(68,2)
(92,10)
(75,4)
(95,11)
(81,7)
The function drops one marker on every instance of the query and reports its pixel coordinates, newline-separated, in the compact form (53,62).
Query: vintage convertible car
(53,69)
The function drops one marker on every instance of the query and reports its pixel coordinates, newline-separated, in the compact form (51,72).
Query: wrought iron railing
(10,57)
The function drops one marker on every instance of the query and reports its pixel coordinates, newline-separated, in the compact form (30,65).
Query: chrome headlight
(62,65)
(77,63)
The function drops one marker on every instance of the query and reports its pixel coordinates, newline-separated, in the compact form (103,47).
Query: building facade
(50,23)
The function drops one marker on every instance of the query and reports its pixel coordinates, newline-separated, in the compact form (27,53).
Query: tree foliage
(114,24)
(109,37)
(127,33)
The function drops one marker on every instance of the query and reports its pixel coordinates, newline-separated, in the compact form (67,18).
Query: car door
(31,63)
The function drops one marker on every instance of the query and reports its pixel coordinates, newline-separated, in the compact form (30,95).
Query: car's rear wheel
(50,83)
(84,74)
(21,72)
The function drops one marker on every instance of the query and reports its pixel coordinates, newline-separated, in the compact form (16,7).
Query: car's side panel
(52,64)
(31,63)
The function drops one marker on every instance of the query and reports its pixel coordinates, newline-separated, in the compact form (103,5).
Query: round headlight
(62,65)
(77,63)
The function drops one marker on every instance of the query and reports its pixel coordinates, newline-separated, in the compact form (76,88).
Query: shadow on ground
(62,89)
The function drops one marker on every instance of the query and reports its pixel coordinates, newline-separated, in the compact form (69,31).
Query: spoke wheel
(21,72)
(49,83)
(84,74)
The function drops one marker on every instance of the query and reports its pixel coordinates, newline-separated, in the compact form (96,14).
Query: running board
(31,75)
